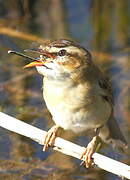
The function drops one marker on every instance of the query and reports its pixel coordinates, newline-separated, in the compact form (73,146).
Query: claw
(50,137)
(89,151)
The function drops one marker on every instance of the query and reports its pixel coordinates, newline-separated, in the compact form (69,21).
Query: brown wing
(111,132)
(106,89)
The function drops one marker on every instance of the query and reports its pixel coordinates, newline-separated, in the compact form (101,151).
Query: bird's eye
(62,52)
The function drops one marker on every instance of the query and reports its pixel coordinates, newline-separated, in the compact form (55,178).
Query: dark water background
(100,26)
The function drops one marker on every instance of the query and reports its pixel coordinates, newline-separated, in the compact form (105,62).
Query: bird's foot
(89,151)
(50,137)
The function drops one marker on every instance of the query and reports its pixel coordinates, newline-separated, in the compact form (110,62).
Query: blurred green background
(100,26)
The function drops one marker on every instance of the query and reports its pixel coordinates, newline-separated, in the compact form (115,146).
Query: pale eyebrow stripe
(69,49)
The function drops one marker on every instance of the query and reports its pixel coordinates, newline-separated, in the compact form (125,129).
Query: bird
(78,95)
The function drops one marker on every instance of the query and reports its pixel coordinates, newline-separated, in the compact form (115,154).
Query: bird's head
(60,58)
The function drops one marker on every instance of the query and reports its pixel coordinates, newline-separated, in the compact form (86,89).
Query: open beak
(45,58)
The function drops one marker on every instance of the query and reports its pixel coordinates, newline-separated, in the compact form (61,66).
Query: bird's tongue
(34,63)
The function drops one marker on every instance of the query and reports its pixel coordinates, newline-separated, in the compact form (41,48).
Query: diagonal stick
(63,146)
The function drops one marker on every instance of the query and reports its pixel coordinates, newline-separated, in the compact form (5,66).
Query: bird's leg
(90,149)
(50,137)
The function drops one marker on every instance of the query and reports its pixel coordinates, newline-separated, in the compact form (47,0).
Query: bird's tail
(111,134)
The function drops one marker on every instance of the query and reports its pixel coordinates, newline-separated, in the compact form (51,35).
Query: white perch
(63,146)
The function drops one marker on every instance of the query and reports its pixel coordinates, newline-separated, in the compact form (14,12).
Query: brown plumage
(77,94)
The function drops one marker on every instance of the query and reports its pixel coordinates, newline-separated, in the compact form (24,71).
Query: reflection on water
(102,27)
